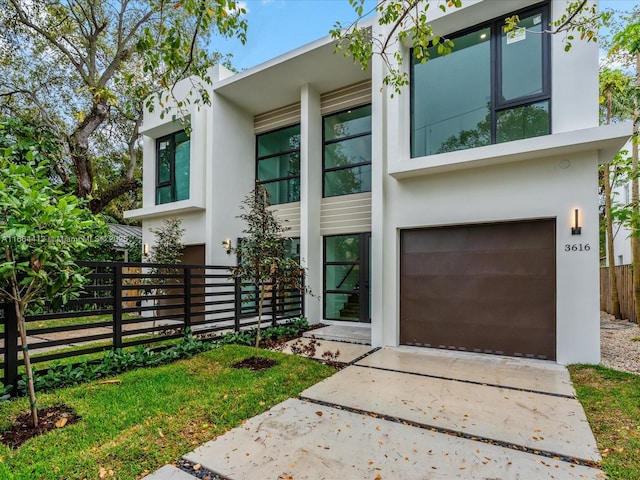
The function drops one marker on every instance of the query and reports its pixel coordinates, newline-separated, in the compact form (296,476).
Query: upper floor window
(493,87)
(347,152)
(278,164)
(172,168)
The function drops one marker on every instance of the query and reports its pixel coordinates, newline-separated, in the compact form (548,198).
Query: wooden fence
(127,304)
(624,275)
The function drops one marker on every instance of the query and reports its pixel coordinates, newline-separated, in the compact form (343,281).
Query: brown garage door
(482,288)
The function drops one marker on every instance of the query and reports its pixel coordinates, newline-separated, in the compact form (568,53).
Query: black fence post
(117,305)
(237,303)
(274,303)
(187,297)
(302,296)
(10,347)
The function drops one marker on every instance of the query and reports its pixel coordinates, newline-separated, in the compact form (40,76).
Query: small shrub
(291,329)
(113,363)
(5,393)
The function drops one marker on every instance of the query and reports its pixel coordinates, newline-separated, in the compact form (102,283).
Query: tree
(86,69)
(625,48)
(406,22)
(41,229)
(262,260)
(614,84)
(167,249)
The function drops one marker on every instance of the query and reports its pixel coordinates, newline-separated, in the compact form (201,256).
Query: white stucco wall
(545,188)
(229,177)
(549,186)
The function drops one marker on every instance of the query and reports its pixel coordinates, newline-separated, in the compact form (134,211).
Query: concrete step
(342,333)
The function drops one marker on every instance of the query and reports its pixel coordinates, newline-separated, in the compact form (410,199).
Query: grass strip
(152,416)
(611,400)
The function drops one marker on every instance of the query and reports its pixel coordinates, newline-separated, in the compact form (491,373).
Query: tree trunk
(613,281)
(22,329)
(263,292)
(79,151)
(635,197)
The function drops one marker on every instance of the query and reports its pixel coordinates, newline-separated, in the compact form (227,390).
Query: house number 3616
(577,247)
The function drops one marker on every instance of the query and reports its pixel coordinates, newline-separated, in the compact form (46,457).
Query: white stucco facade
(545,177)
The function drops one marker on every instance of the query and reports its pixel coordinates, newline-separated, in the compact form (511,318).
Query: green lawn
(611,400)
(154,415)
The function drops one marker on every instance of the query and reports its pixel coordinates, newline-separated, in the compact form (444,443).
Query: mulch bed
(49,418)
(255,363)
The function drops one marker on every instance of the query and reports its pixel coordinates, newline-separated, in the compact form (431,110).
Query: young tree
(41,229)
(167,245)
(86,69)
(167,248)
(262,260)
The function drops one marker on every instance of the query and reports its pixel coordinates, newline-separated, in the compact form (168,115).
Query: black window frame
(325,170)
(495,52)
(364,273)
(172,165)
(278,154)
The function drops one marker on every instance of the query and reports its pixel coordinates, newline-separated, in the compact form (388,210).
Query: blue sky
(278,26)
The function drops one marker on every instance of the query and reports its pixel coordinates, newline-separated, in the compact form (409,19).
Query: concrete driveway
(409,413)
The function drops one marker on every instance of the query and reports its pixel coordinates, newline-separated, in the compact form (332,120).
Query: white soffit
(277,83)
(605,140)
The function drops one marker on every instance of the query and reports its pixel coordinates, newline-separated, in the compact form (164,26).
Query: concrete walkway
(409,413)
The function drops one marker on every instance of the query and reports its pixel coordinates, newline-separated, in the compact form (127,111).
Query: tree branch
(49,36)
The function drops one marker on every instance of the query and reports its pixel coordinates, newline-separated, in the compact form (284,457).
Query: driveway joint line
(455,433)
(364,355)
(201,472)
(461,380)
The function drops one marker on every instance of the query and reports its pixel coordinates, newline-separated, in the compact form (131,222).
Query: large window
(493,87)
(172,168)
(347,152)
(278,164)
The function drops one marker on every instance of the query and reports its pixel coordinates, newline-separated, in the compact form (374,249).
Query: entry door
(347,277)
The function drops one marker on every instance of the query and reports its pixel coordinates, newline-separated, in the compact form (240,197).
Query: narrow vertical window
(172,168)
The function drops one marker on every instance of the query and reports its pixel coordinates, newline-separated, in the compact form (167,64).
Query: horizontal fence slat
(130,304)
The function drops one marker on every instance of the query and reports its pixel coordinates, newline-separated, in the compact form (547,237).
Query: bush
(291,329)
(113,363)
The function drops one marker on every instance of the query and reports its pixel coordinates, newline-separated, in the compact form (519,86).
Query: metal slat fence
(129,304)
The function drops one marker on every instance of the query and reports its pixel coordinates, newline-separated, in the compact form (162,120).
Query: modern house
(461,214)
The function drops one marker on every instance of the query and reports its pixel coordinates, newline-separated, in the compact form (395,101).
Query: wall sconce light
(145,249)
(576,229)
(227,245)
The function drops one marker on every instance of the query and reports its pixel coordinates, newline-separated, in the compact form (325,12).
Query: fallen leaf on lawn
(160,433)
(105,382)
(62,422)
(102,472)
